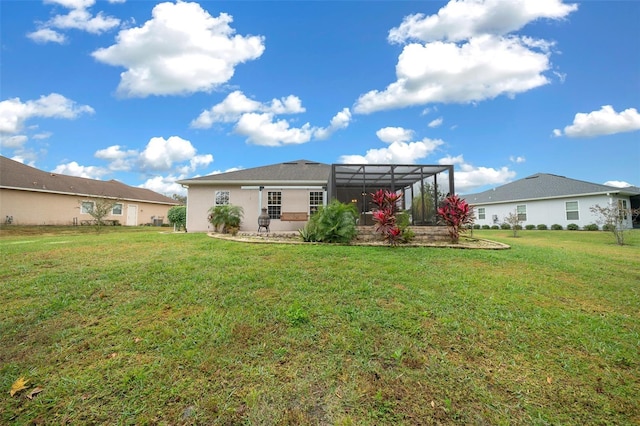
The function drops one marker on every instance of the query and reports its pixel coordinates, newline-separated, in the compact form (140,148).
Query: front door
(132,215)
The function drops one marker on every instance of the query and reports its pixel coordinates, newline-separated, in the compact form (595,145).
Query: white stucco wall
(548,212)
(201,198)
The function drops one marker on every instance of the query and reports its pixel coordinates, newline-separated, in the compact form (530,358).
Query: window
(572,210)
(481,213)
(222,198)
(274,204)
(86,207)
(315,201)
(117,209)
(622,209)
(521,210)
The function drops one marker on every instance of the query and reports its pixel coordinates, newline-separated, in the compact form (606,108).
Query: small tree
(226,216)
(514,221)
(456,214)
(613,218)
(99,210)
(177,216)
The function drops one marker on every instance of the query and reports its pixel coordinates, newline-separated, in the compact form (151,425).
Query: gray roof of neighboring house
(543,186)
(15,175)
(289,173)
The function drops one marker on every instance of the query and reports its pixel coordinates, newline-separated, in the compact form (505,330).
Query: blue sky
(149,92)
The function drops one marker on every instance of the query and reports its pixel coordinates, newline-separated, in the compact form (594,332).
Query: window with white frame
(521,211)
(571,207)
(222,198)
(86,207)
(274,204)
(481,213)
(117,209)
(622,209)
(315,201)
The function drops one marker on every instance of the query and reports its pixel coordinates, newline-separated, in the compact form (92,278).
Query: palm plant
(333,223)
(226,216)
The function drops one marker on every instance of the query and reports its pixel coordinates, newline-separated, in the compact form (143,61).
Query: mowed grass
(139,326)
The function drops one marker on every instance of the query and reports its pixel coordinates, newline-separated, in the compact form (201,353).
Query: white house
(292,191)
(550,199)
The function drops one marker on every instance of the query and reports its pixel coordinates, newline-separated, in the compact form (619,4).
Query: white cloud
(158,155)
(81,19)
(119,160)
(468,177)
(463,19)
(262,129)
(47,35)
(394,134)
(165,185)
(517,159)
(14,112)
(617,183)
(399,149)
(74,169)
(258,121)
(78,18)
(161,154)
(605,121)
(466,53)
(13,142)
(484,68)
(339,121)
(181,50)
(435,123)
(236,103)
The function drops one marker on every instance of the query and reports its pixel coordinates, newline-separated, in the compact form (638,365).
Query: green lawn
(137,326)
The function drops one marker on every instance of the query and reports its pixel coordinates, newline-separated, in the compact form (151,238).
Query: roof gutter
(76,194)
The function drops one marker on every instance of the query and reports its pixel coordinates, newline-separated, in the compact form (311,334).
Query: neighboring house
(550,199)
(29,196)
(291,191)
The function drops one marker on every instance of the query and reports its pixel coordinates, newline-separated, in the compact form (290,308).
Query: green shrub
(591,227)
(573,227)
(333,223)
(495,227)
(476,226)
(486,227)
(609,227)
(177,216)
(556,227)
(530,227)
(505,226)
(518,227)
(542,227)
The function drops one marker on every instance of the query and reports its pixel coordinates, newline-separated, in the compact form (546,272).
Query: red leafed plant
(385,216)
(456,213)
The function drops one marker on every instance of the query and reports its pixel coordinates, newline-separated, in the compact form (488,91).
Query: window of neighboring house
(117,209)
(315,201)
(571,208)
(86,207)
(481,213)
(222,198)
(521,210)
(274,204)
(622,209)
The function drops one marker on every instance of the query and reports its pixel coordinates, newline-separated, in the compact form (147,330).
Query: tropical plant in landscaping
(227,217)
(456,214)
(333,223)
(386,222)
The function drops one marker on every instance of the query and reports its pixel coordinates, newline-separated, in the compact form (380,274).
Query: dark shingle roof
(294,172)
(542,186)
(15,175)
